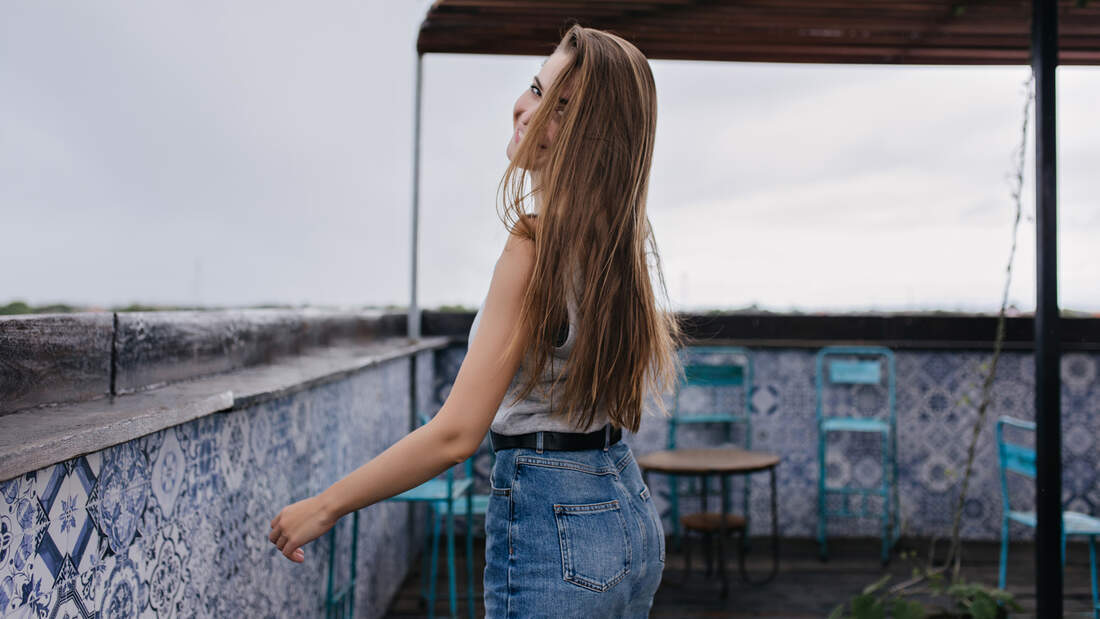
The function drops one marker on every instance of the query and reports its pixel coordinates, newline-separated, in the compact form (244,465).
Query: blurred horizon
(20,308)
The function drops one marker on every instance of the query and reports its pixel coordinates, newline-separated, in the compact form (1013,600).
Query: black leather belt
(558,441)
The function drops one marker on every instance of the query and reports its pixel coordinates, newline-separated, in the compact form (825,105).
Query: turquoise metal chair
(440,496)
(1020,459)
(735,370)
(853,366)
(341,602)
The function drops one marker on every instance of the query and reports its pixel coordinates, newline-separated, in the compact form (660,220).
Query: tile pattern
(175,523)
(937,392)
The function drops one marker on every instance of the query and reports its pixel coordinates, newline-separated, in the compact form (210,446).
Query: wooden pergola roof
(958,32)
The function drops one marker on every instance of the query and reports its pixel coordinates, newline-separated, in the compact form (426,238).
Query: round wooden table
(723,462)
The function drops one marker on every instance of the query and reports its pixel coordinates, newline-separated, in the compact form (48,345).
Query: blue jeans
(571,534)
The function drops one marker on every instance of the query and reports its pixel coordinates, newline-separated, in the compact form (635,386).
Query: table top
(707,460)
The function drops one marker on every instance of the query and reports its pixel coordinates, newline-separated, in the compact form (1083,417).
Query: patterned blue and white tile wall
(934,425)
(175,523)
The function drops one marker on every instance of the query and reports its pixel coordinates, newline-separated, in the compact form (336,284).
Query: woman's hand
(300,523)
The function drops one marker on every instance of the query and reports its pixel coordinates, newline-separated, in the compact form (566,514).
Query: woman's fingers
(296,524)
(282,542)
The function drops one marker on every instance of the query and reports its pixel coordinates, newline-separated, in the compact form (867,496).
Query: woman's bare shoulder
(519,241)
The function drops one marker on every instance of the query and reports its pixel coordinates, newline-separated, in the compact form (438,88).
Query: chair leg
(823,550)
(470,552)
(432,573)
(331,559)
(1004,553)
(451,585)
(1092,577)
(885,499)
(687,558)
(746,545)
(674,509)
(425,558)
(895,483)
(708,552)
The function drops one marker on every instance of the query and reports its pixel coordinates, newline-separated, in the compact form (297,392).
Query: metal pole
(1048,437)
(413,320)
(414,311)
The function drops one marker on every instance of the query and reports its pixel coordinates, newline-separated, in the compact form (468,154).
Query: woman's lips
(518,135)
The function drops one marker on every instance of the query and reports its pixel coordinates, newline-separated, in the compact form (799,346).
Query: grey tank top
(533,413)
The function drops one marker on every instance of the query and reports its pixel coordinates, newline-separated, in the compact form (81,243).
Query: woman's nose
(526,107)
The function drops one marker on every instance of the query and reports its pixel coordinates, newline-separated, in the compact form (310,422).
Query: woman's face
(529,101)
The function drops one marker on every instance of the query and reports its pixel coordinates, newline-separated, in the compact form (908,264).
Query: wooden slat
(862,31)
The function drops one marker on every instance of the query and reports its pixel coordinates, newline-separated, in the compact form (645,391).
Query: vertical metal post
(1048,438)
(413,328)
(414,310)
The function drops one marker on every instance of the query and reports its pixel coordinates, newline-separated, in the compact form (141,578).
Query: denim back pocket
(595,549)
(655,516)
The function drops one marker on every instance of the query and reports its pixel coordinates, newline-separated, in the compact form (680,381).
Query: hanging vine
(974,599)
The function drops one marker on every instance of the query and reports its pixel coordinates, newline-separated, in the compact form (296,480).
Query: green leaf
(838,612)
(907,609)
(984,607)
(867,607)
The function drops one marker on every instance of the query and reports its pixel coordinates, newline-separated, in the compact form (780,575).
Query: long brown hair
(592,224)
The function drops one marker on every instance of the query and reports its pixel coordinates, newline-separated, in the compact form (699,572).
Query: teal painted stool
(1020,459)
(734,371)
(854,366)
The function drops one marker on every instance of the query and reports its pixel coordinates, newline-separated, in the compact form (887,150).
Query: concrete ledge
(155,348)
(38,437)
(54,358)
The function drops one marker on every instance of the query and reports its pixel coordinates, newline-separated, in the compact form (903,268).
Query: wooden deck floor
(804,586)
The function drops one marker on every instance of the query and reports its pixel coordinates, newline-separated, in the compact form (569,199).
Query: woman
(571,529)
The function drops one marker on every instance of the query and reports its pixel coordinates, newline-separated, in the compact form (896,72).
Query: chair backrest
(734,370)
(1013,457)
(855,365)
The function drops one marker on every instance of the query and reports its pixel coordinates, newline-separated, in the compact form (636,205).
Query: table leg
(721,540)
(775,540)
(668,547)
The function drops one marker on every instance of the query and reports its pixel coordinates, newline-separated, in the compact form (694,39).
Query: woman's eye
(535,89)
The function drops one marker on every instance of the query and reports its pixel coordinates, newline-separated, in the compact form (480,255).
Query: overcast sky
(247,153)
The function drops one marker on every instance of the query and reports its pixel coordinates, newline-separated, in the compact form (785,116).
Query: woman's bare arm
(450,437)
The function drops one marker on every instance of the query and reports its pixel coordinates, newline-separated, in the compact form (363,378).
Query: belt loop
(606,436)
(538,444)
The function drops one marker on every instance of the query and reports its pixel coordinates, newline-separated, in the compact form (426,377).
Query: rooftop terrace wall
(158,447)
(938,363)
(144,454)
